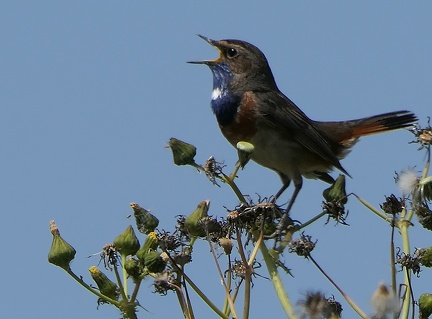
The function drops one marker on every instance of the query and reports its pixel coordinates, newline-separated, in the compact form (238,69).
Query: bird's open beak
(213,43)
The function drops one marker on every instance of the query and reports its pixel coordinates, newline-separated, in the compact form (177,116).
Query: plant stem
(310,221)
(347,298)
(403,226)
(227,292)
(120,284)
(277,283)
(234,187)
(125,278)
(135,291)
(205,298)
(374,210)
(393,260)
(93,291)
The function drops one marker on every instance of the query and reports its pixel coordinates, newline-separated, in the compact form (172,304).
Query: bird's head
(241,66)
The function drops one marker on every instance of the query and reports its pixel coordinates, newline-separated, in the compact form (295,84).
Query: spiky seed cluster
(110,256)
(302,246)
(392,205)
(424,215)
(316,305)
(164,282)
(410,262)
(263,215)
(335,211)
(423,135)
(213,169)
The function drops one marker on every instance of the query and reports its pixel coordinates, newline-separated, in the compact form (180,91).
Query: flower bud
(150,243)
(133,269)
(426,257)
(424,215)
(61,253)
(145,221)
(336,192)
(183,153)
(154,262)
(425,306)
(127,243)
(425,186)
(192,222)
(106,286)
(226,244)
(245,150)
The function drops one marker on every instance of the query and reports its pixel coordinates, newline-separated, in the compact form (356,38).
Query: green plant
(165,255)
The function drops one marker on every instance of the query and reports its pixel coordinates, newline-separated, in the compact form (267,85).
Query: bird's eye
(231,53)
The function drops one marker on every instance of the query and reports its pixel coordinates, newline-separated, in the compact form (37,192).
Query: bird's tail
(382,123)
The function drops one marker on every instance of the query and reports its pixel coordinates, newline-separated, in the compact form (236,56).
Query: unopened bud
(150,243)
(192,222)
(127,243)
(183,153)
(336,192)
(426,257)
(425,186)
(226,244)
(245,150)
(425,306)
(106,286)
(133,269)
(154,262)
(145,221)
(61,253)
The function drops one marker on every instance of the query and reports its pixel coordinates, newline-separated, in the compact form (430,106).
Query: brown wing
(281,113)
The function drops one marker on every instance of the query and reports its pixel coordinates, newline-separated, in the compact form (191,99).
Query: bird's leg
(285,220)
(283,223)
(283,188)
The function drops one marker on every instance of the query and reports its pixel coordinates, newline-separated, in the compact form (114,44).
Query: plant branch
(347,298)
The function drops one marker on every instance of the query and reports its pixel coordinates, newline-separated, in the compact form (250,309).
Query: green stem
(303,225)
(182,301)
(197,290)
(277,283)
(374,210)
(247,276)
(125,276)
(205,298)
(346,297)
(403,226)
(135,291)
(426,169)
(229,282)
(120,284)
(221,276)
(236,169)
(93,291)
(393,260)
(234,187)
(188,302)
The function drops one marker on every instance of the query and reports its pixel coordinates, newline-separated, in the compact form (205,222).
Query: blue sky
(91,91)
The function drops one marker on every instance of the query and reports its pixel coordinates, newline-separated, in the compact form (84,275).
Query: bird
(249,107)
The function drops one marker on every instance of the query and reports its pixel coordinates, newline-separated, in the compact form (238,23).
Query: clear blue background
(91,91)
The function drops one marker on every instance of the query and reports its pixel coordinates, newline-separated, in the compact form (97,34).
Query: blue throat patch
(224,104)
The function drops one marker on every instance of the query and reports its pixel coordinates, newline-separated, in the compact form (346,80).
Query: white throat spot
(216,94)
